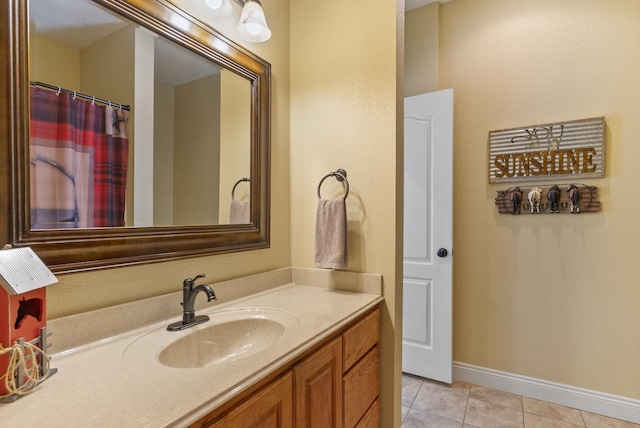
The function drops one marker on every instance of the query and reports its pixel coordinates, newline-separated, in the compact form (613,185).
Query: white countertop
(96,387)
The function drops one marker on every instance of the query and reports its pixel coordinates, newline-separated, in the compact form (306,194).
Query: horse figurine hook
(535,195)
(553,195)
(574,196)
(515,197)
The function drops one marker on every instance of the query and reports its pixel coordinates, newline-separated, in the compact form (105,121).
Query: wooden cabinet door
(371,419)
(272,407)
(361,387)
(318,388)
(219,424)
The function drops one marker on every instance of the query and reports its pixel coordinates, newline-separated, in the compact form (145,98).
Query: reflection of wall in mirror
(235,137)
(163,130)
(186,152)
(197,154)
(54,63)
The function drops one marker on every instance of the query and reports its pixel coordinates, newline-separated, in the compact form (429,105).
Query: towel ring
(233,198)
(340,175)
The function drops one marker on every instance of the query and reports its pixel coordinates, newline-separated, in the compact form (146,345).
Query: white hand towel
(331,234)
(240,212)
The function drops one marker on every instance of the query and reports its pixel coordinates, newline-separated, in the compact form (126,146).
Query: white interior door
(428,212)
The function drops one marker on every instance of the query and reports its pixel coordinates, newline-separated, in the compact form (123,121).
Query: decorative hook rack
(548,199)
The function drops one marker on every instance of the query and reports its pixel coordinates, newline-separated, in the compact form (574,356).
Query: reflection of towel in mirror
(240,211)
(331,234)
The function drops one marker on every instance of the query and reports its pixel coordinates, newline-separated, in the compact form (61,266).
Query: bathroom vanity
(293,347)
(336,384)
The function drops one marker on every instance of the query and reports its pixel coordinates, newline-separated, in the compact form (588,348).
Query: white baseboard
(579,398)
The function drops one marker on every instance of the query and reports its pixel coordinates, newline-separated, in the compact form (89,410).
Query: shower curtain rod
(79,95)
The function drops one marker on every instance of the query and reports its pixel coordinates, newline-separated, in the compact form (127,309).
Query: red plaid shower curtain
(78,155)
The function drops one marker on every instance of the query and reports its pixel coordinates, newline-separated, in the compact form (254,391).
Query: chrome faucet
(189,293)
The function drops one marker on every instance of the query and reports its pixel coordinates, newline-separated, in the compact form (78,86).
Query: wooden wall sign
(549,151)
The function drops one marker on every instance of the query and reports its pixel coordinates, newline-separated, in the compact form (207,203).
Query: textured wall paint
(163,134)
(196,194)
(81,292)
(553,297)
(343,115)
(51,61)
(235,129)
(421,50)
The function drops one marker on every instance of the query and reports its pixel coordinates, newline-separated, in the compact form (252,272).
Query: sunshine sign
(539,153)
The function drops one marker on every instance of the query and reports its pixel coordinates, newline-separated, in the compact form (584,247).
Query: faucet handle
(189,282)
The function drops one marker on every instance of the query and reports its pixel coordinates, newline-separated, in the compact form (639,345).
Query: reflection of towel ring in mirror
(234,187)
(340,175)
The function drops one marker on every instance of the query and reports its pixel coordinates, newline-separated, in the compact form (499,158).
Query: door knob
(442,252)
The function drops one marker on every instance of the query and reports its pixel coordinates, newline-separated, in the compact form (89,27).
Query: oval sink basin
(228,336)
(222,342)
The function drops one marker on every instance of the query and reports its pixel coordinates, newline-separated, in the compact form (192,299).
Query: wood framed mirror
(77,249)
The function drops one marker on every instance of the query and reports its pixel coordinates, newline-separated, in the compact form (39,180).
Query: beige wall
(82,292)
(422,38)
(186,152)
(552,297)
(197,152)
(106,67)
(163,146)
(54,63)
(343,115)
(235,138)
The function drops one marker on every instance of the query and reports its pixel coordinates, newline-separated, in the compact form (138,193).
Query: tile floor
(427,403)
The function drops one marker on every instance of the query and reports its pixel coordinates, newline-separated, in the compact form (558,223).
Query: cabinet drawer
(371,419)
(358,339)
(361,387)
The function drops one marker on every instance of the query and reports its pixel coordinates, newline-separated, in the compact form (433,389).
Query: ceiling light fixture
(214,8)
(253,25)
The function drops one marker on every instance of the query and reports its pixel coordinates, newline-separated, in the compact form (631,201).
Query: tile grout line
(466,407)
(582,412)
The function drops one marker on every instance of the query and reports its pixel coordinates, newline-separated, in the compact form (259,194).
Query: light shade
(214,8)
(253,25)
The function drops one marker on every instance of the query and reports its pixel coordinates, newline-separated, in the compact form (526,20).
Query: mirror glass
(179,147)
(181,120)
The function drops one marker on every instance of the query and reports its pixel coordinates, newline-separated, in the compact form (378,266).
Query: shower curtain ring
(74,95)
(59,90)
